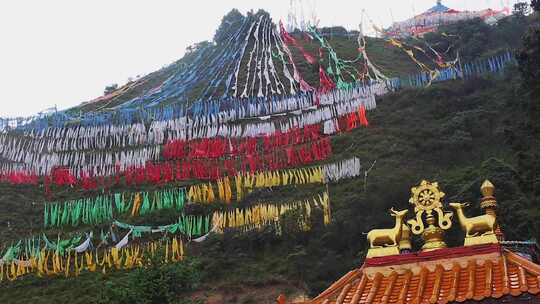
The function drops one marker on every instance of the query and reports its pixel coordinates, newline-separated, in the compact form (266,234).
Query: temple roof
(476,274)
(438,8)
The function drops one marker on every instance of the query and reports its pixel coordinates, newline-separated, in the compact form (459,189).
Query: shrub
(157,284)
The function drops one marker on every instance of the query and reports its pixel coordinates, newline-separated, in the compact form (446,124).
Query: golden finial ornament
(487,188)
(488,201)
(427,201)
(489,204)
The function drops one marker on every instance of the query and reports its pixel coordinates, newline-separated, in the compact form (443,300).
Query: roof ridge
(523,262)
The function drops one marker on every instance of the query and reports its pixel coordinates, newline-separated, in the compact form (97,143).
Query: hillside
(455,132)
(473,41)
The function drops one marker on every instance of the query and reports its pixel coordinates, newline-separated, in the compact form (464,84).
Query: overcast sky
(64,52)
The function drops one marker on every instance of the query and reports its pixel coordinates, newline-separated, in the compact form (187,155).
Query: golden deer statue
(379,238)
(474,226)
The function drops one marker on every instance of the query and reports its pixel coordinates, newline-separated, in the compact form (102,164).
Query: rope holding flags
(187,225)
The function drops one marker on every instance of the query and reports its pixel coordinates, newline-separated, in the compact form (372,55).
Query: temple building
(439,15)
(485,269)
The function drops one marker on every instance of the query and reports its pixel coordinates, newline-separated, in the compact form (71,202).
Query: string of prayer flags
(103,208)
(263,215)
(246,182)
(51,263)
(289,39)
(82,211)
(188,225)
(348,168)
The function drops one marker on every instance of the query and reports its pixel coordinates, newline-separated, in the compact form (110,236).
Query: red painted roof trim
(432,255)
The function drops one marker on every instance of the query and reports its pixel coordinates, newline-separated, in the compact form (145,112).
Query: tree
(229,23)
(521,9)
(535,4)
(334,30)
(529,60)
(197,47)
(110,88)
(474,35)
